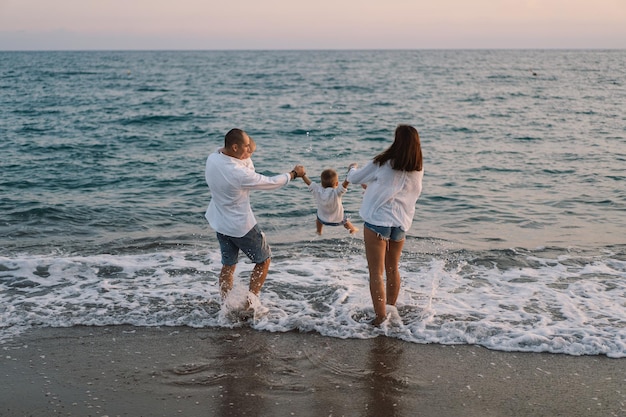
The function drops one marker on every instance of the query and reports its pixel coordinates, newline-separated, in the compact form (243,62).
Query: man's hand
(300,171)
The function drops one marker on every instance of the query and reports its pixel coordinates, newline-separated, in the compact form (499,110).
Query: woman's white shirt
(390,195)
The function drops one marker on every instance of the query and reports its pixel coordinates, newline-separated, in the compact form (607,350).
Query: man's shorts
(253,244)
(387,233)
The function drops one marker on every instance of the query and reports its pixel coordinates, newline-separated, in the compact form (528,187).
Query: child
(328,199)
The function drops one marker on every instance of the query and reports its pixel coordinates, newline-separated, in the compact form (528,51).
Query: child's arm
(346,182)
(306,179)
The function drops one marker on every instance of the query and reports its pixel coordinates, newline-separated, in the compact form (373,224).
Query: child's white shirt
(328,200)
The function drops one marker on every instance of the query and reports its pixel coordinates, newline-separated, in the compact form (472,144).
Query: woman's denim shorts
(387,233)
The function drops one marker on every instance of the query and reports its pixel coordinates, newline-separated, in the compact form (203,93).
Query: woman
(393,183)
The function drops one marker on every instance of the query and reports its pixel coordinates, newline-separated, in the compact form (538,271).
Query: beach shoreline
(168,371)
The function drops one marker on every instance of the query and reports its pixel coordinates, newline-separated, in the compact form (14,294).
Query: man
(230,178)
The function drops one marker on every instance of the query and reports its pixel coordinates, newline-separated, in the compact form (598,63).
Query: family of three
(392,181)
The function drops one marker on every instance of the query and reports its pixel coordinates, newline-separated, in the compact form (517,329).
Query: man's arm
(255,181)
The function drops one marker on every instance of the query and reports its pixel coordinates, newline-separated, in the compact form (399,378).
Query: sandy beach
(136,371)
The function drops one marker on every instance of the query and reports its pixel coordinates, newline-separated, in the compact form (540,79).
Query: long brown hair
(405,153)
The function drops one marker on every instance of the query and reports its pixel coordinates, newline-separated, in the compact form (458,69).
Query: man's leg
(256,248)
(230,253)
(226,279)
(258,275)
(257,279)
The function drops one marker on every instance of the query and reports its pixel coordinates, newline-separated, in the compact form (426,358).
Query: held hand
(300,171)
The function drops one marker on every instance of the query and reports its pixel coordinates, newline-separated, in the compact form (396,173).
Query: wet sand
(136,371)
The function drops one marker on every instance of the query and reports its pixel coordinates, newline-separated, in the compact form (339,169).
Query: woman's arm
(346,182)
(362,175)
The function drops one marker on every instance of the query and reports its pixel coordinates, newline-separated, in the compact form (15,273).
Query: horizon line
(316,49)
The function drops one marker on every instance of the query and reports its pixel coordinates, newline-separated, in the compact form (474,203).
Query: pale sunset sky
(310,24)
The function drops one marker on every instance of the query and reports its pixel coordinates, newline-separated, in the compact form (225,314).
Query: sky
(310,24)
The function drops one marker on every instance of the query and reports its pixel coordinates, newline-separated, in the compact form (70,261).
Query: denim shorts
(325,223)
(253,244)
(387,232)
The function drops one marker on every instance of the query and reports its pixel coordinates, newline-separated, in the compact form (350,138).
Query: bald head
(237,144)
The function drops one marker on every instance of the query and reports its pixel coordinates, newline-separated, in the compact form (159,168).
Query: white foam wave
(565,305)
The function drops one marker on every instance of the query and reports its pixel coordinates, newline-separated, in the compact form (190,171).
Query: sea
(518,241)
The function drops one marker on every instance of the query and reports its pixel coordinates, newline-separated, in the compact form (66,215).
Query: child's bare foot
(353,230)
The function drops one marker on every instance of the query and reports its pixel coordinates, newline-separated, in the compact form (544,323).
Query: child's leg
(348,225)
(319,226)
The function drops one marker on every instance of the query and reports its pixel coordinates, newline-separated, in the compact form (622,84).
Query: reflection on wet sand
(129,371)
(226,375)
(385,388)
(240,389)
(257,375)
(363,379)
(248,373)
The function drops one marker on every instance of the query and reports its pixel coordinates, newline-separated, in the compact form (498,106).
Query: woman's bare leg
(392,261)
(375,249)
